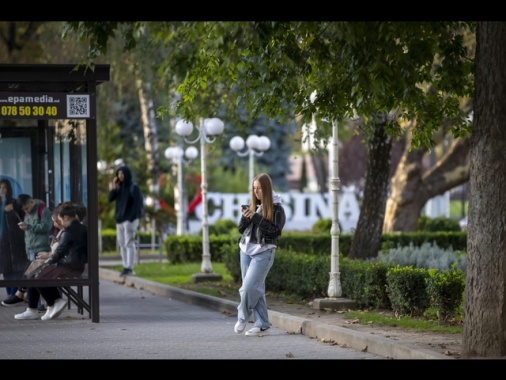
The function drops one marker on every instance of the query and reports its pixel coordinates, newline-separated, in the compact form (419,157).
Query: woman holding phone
(261,224)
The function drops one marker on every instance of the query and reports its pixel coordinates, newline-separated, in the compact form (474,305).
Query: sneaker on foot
(239,327)
(28,314)
(13,301)
(126,272)
(257,331)
(58,307)
(49,311)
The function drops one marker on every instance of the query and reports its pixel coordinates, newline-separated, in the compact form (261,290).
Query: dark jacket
(72,250)
(13,259)
(263,231)
(128,197)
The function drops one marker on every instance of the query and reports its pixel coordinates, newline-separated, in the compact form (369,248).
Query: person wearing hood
(13,259)
(129,209)
(261,224)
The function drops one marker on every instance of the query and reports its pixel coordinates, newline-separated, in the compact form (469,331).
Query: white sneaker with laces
(49,311)
(58,307)
(257,331)
(28,314)
(239,327)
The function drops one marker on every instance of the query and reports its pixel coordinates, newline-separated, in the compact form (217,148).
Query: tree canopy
(418,71)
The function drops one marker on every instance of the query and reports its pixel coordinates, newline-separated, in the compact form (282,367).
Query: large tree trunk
(367,238)
(412,186)
(485,293)
(150,138)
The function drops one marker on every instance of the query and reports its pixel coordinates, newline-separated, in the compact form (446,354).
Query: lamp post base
(334,304)
(203,277)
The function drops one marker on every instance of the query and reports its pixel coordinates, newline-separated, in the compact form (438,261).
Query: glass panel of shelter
(46,161)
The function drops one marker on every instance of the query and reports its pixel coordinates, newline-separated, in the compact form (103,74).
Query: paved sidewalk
(137,323)
(141,319)
(377,345)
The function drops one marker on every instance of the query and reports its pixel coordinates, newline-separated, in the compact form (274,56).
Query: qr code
(78,106)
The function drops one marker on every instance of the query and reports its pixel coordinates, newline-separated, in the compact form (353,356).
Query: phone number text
(28,111)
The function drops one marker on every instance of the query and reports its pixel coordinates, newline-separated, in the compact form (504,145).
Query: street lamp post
(256,146)
(334,291)
(208,129)
(176,154)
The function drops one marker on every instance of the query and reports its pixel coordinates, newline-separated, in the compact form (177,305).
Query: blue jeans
(254,270)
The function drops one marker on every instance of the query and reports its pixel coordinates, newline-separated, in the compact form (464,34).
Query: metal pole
(206,255)
(334,289)
(180,221)
(251,167)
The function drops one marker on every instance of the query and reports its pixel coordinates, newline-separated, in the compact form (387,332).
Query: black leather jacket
(263,231)
(72,250)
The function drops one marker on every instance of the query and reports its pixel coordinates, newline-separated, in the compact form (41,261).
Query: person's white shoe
(239,327)
(58,307)
(257,331)
(49,311)
(28,314)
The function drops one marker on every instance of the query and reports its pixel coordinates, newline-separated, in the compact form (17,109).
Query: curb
(388,348)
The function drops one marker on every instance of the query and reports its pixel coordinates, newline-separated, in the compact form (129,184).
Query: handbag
(33,268)
(50,271)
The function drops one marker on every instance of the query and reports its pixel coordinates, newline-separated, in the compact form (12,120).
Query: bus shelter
(48,149)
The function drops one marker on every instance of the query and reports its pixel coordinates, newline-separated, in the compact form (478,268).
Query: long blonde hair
(267,201)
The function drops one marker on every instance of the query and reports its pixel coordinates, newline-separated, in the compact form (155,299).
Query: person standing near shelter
(260,225)
(36,226)
(129,209)
(13,260)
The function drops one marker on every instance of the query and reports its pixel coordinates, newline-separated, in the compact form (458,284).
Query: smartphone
(244,207)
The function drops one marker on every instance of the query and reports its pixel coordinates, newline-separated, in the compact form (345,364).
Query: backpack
(53,231)
(41,209)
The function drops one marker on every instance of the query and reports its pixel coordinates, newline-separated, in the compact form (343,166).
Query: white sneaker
(58,307)
(49,311)
(239,327)
(28,314)
(257,331)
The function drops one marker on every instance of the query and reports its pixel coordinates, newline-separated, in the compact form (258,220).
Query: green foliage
(322,226)
(382,67)
(109,239)
(364,282)
(407,290)
(232,261)
(378,317)
(317,244)
(170,274)
(188,249)
(446,290)
(290,267)
(437,224)
(445,240)
(223,227)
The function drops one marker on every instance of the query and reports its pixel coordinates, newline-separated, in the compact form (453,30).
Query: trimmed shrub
(407,290)
(446,289)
